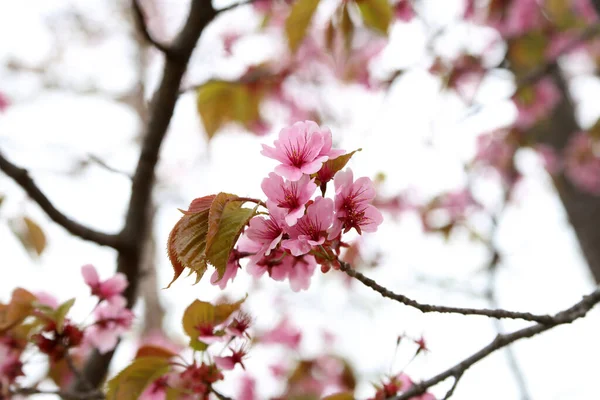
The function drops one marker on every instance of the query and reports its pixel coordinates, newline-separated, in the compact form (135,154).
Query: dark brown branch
(22,178)
(137,226)
(140,20)
(567,316)
(425,308)
(235,5)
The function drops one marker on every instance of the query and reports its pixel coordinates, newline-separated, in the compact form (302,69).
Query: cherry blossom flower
(54,343)
(290,196)
(535,102)
(582,163)
(403,11)
(311,229)
(285,334)
(195,380)
(107,289)
(157,390)
(521,17)
(231,269)
(352,205)
(10,365)
(239,326)
(112,320)
(272,264)
(207,333)
(4,102)
(302,149)
(229,362)
(247,388)
(46,299)
(456,203)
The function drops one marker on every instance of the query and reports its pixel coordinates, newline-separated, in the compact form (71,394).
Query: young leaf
(61,313)
(214,216)
(30,234)
(154,351)
(202,312)
(376,14)
(133,380)
(19,308)
(187,240)
(232,221)
(330,168)
(298,21)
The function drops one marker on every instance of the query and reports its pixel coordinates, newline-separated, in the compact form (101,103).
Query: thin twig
(425,308)
(22,178)
(567,316)
(140,21)
(107,167)
(235,5)
(450,392)
(220,396)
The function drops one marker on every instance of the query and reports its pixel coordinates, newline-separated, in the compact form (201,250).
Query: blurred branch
(140,21)
(22,178)
(137,228)
(567,316)
(103,164)
(235,5)
(425,308)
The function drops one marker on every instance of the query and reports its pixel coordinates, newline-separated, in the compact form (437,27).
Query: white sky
(47,130)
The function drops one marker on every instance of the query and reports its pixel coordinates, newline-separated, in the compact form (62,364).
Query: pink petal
(90,275)
(289,172)
(225,363)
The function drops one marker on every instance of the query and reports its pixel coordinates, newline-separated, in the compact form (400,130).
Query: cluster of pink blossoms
(301,231)
(112,317)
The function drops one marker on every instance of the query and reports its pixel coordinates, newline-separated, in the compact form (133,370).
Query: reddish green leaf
(340,396)
(298,21)
(347,27)
(221,102)
(30,234)
(187,243)
(201,313)
(376,14)
(154,351)
(61,313)
(528,51)
(19,308)
(214,216)
(133,380)
(232,221)
(332,167)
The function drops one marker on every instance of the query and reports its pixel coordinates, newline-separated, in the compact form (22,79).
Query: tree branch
(22,178)
(235,5)
(425,308)
(93,395)
(140,21)
(137,227)
(567,316)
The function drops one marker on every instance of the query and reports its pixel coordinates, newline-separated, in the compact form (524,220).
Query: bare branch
(137,226)
(235,5)
(140,21)
(425,308)
(22,178)
(567,316)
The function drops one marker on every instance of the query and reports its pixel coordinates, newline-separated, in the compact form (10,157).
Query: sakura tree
(297,79)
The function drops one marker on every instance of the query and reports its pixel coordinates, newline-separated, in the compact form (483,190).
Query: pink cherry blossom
(231,270)
(229,362)
(582,163)
(285,334)
(156,391)
(300,271)
(494,150)
(456,203)
(247,388)
(302,149)
(46,299)
(272,264)
(207,333)
(112,320)
(311,229)
(403,11)
(536,103)
(290,196)
(107,289)
(521,16)
(352,205)
(4,102)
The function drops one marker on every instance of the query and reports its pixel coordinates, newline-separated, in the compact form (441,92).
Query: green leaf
(376,14)
(340,396)
(133,380)
(332,167)
(214,216)
(527,52)
(232,221)
(30,234)
(201,313)
(298,21)
(61,313)
(221,102)
(154,351)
